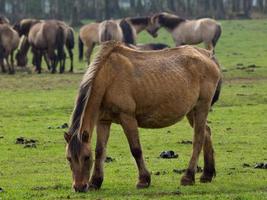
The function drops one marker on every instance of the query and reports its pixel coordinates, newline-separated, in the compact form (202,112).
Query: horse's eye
(86,158)
(69,159)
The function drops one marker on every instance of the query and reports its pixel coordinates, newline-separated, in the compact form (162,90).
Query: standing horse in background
(46,37)
(9,41)
(190,32)
(23,28)
(114,30)
(89,34)
(152,89)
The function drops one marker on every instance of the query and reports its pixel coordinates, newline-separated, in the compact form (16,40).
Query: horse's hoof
(93,187)
(142,185)
(144,181)
(96,183)
(205,178)
(185,181)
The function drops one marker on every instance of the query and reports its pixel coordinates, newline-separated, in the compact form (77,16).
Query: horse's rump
(110,30)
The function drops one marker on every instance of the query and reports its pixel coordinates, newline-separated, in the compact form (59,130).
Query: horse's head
(79,156)
(22,60)
(153,25)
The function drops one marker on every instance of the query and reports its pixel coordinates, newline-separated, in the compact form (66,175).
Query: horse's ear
(85,136)
(67,137)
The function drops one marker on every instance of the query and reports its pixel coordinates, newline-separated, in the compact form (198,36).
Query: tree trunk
(75,17)
(247,5)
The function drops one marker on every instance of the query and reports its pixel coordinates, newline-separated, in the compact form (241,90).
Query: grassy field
(33,106)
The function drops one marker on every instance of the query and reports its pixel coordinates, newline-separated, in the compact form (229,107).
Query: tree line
(76,10)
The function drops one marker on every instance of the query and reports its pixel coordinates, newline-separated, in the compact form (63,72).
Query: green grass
(30,103)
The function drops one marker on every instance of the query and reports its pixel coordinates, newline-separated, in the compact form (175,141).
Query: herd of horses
(149,85)
(48,38)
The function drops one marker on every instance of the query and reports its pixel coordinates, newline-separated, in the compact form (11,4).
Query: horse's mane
(127,32)
(139,20)
(168,20)
(86,85)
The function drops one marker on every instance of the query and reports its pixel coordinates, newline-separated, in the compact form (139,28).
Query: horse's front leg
(129,125)
(2,65)
(102,129)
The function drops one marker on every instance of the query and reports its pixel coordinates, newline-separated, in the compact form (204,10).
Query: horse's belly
(161,117)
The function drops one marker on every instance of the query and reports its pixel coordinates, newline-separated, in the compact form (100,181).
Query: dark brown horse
(152,89)
(9,41)
(23,28)
(130,27)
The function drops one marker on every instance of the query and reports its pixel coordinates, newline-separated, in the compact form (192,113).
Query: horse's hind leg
(209,161)
(209,46)
(62,60)
(12,58)
(129,125)
(89,51)
(71,59)
(47,61)
(199,116)
(103,129)
(10,67)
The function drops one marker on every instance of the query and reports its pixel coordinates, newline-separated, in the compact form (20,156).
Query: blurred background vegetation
(74,11)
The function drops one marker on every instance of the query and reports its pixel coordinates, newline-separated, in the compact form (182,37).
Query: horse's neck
(139,28)
(25,46)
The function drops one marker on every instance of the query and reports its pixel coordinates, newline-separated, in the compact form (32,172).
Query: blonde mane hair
(86,85)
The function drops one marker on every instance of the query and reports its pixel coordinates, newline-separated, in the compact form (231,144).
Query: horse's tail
(80,44)
(127,32)
(217,35)
(2,51)
(219,85)
(60,39)
(70,41)
(105,34)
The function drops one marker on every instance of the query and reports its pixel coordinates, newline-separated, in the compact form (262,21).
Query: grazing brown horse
(152,89)
(185,31)
(9,41)
(130,27)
